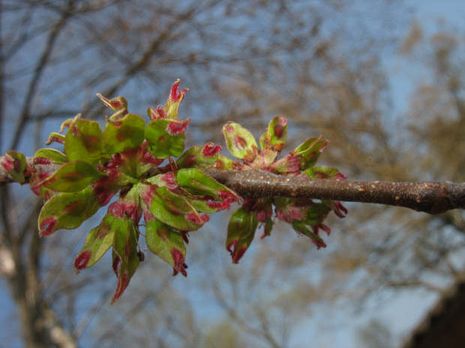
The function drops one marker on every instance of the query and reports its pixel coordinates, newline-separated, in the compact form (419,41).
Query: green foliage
(140,169)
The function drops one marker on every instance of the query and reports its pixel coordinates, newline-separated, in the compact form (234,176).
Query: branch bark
(427,197)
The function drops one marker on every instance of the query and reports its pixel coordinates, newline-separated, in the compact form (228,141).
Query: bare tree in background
(54,55)
(245,60)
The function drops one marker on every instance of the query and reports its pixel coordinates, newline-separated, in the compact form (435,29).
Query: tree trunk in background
(444,326)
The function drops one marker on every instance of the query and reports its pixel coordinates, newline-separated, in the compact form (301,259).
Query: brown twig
(428,197)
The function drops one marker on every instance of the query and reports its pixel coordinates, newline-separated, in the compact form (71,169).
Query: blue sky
(400,312)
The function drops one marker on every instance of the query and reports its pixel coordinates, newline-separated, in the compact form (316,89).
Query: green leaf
(241,231)
(202,206)
(198,183)
(301,227)
(317,212)
(167,243)
(14,163)
(175,210)
(67,211)
(83,141)
(72,177)
(174,100)
(240,142)
(55,137)
(98,241)
(53,155)
(162,144)
(276,134)
(309,151)
(126,257)
(123,134)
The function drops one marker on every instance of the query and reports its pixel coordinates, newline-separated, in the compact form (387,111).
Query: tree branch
(428,197)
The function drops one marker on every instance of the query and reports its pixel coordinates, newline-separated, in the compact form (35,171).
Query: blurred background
(383,80)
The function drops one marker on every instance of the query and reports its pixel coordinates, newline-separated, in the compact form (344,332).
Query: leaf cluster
(153,186)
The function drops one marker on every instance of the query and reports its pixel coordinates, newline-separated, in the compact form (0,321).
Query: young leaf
(83,141)
(174,100)
(275,136)
(98,241)
(67,211)
(309,151)
(240,142)
(302,228)
(125,254)
(55,137)
(162,141)
(123,134)
(241,231)
(317,212)
(198,183)
(53,155)
(167,243)
(14,163)
(175,210)
(72,177)
(117,104)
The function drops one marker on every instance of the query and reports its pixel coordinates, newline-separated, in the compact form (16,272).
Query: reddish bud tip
(323,227)
(235,250)
(82,260)
(238,253)
(339,209)
(177,127)
(123,282)
(319,243)
(210,149)
(177,95)
(178,262)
